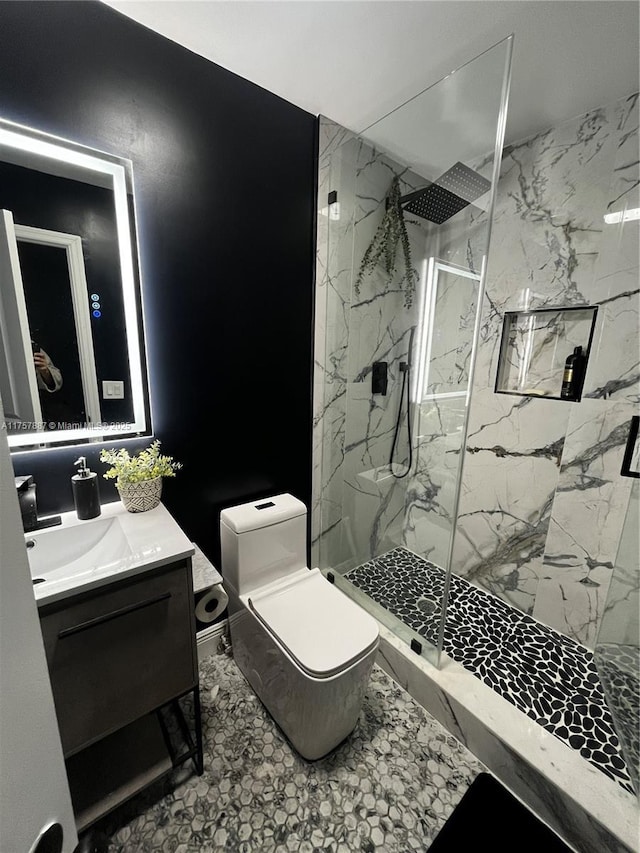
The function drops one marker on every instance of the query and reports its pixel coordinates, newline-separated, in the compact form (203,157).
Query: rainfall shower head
(446,196)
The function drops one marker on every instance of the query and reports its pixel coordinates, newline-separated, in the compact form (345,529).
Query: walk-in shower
(469,519)
(403,240)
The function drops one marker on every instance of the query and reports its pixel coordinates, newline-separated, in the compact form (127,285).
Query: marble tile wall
(621,620)
(617,652)
(535,348)
(360,509)
(430,492)
(358,504)
(333,296)
(454,319)
(543,501)
(439,416)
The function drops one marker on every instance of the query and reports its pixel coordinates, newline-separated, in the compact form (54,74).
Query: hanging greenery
(384,247)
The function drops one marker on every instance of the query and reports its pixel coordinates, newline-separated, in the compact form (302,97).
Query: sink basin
(82,555)
(74,551)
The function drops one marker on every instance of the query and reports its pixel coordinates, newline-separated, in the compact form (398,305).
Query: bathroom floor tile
(547,676)
(389,787)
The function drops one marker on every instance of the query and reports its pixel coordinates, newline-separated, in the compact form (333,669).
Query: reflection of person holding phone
(48,375)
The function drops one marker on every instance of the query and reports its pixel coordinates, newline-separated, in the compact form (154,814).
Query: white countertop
(205,574)
(153,538)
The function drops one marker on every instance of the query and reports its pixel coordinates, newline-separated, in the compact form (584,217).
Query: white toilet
(305,648)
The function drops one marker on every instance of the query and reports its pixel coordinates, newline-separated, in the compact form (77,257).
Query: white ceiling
(355,61)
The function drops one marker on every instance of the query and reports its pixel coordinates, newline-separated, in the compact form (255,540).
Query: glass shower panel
(405,258)
(617,651)
(448,336)
(336,193)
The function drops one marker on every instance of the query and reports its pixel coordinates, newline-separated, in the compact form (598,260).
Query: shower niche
(545,352)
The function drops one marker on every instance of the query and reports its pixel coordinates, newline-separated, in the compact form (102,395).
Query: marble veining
(587,519)
(619,668)
(550,678)
(358,504)
(204,573)
(535,347)
(548,549)
(541,497)
(590,811)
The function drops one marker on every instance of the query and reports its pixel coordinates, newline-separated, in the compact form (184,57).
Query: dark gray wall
(224,181)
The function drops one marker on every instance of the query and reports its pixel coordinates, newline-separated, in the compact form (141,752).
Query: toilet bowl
(304,647)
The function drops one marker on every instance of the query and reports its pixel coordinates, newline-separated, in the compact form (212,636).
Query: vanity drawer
(119,652)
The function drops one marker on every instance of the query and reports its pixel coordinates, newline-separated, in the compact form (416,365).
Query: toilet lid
(322,629)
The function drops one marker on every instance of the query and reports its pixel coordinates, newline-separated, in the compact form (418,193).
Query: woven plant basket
(140,497)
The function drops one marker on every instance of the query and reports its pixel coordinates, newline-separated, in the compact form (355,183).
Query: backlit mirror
(72,366)
(448,317)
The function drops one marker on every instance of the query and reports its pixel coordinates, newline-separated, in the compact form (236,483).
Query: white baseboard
(209,638)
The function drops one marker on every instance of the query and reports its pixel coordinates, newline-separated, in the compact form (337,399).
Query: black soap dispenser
(86,496)
(574,370)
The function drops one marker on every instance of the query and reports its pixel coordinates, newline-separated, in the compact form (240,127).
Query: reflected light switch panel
(113,389)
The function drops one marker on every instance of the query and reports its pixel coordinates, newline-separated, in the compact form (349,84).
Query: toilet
(305,648)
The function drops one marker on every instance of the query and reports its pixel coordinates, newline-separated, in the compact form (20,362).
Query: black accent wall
(224,182)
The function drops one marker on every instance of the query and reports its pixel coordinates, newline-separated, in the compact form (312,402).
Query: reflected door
(44,315)
(18,383)
(57,300)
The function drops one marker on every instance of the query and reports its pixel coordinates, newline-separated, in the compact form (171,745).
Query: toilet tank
(262,541)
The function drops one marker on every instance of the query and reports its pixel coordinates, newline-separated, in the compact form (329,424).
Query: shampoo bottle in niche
(86,496)
(574,368)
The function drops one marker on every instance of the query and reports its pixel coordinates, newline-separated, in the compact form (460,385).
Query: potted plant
(139,477)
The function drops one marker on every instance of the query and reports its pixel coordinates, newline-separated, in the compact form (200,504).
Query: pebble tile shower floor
(549,677)
(389,787)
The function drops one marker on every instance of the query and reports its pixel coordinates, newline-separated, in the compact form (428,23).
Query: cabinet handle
(115,614)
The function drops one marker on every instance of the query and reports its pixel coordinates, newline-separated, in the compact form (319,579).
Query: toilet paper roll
(211,604)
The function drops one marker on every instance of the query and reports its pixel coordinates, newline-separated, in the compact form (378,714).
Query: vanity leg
(194,750)
(199,756)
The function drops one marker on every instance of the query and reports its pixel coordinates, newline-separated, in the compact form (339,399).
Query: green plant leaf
(147,464)
(384,247)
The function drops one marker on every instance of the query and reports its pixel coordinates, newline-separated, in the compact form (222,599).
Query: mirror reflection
(71,354)
(448,320)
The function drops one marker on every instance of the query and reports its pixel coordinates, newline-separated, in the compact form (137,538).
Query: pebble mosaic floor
(389,787)
(549,677)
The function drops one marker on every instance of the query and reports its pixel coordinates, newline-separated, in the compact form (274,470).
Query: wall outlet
(113,389)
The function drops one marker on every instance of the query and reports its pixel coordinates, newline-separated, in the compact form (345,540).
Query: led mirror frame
(31,141)
(429,287)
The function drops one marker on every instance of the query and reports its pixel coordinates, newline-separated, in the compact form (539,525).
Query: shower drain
(427,606)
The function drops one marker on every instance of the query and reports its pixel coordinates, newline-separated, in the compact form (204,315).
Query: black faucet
(29,508)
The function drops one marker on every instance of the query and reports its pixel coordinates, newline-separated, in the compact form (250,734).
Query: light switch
(113,389)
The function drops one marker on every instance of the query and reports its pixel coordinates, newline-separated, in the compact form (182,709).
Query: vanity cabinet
(118,653)
(116,656)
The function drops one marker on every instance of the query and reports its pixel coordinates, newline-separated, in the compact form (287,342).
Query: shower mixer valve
(379,377)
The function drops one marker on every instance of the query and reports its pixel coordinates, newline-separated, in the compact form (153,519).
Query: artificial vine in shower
(384,246)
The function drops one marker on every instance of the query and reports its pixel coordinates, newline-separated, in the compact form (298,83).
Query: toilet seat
(321,629)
